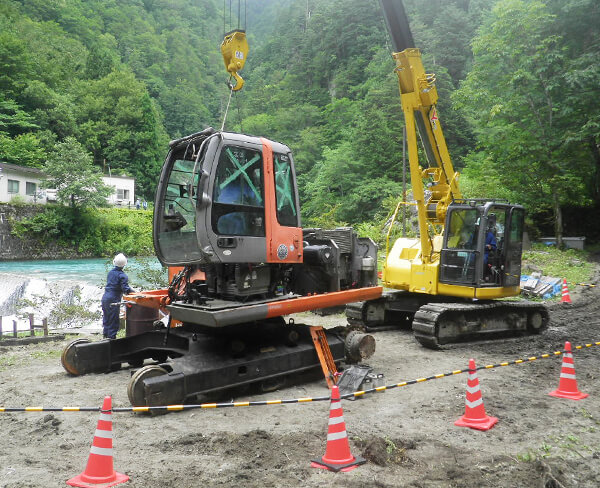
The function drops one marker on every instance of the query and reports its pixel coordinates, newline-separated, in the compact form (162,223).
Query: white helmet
(120,260)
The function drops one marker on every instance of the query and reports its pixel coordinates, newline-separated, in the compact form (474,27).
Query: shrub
(90,231)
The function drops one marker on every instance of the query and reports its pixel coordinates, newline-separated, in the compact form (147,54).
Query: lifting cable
(227,107)
(234,50)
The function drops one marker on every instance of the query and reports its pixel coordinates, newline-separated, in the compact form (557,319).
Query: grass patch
(54,353)
(21,333)
(25,357)
(7,360)
(571,264)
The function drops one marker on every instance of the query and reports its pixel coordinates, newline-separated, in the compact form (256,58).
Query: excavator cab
(482,244)
(227,198)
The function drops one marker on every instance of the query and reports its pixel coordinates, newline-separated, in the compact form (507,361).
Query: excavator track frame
(435,322)
(265,353)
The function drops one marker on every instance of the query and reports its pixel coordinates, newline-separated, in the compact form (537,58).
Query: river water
(67,292)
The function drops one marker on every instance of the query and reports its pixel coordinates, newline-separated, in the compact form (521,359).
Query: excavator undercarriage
(187,363)
(435,321)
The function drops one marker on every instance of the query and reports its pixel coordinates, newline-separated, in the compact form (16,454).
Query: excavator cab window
(287,214)
(238,196)
(513,247)
(177,225)
(459,256)
(493,250)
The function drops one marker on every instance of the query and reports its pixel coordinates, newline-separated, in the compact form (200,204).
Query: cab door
(513,247)
(282,211)
(235,218)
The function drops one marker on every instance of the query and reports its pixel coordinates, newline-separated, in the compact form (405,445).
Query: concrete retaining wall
(12,248)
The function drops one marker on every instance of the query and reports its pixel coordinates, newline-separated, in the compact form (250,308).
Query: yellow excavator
(468,252)
(227,224)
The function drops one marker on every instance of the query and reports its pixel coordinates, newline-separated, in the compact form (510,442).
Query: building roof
(21,169)
(122,177)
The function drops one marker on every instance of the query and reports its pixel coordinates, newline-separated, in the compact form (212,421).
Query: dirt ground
(407,434)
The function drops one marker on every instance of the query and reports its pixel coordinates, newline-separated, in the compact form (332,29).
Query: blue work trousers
(110,317)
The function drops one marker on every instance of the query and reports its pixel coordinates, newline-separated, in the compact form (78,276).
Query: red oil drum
(139,319)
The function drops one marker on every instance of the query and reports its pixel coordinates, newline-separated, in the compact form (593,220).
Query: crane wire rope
(229,84)
(227,108)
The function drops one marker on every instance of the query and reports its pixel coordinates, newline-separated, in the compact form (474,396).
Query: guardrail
(32,327)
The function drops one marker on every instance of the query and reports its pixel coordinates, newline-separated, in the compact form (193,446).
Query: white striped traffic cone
(475,416)
(567,385)
(565,298)
(99,472)
(337,454)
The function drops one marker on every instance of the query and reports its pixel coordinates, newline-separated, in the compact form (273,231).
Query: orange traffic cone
(475,416)
(567,385)
(337,454)
(566,298)
(99,471)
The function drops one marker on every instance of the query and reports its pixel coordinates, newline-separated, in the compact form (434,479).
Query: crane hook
(235,51)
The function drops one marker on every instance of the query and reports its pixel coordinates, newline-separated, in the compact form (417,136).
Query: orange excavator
(227,218)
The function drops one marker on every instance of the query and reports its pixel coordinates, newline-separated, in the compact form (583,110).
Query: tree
(71,171)
(23,150)
(13,120)
(579,23)
(120,123)
(518,100)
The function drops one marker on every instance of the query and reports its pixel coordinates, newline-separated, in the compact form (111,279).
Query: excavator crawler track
(436,324)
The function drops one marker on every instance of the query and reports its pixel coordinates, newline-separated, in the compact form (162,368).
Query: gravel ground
(407,434)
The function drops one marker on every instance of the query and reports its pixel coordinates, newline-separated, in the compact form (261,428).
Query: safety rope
(346,396)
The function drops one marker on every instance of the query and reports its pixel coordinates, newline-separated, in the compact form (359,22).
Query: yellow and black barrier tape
(356,394)
(589,285)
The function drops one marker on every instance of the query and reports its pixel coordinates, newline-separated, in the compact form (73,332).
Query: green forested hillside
(519,84)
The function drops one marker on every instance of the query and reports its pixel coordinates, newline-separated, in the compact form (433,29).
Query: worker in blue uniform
(117,284)
(491,243)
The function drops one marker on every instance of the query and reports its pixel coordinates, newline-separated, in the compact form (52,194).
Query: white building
(124,190)
(21,182)
(24,183)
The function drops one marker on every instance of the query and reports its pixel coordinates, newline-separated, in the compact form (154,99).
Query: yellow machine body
(405,269)
(414,264)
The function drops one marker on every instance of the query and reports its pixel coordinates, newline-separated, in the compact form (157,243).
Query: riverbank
(60,232)
(66,292)
(15,248)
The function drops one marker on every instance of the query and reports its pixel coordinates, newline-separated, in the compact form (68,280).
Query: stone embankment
(14,248)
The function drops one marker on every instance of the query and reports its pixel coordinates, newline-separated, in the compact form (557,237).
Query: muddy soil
(407,434)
